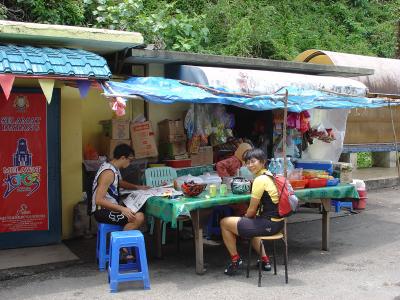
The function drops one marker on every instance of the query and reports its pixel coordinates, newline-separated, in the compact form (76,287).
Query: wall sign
(23,163)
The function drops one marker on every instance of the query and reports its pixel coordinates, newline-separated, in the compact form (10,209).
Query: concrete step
(377,178)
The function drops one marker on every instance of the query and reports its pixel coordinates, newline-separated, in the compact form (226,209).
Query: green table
(169,210)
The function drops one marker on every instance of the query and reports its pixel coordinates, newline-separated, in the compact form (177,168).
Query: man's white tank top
(112,194)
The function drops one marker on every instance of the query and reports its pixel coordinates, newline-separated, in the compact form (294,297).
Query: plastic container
(332,182)
(317,182)
(179,163)
(209,178)
(187,178)
(227,180)
(325,165)
(362,202)
(297,183)
(296,174)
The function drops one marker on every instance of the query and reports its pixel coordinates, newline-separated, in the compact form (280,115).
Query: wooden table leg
(326,203)
(157,237)
(198,241)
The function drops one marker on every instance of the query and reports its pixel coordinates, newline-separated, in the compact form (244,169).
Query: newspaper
(137,198)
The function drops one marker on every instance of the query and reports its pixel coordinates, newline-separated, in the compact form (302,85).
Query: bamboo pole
(285,111)
(395,141)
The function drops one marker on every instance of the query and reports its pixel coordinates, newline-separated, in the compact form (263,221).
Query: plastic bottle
(279,167)
(290,166)
(272,166)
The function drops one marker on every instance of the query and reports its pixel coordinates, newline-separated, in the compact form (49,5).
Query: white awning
(256,82)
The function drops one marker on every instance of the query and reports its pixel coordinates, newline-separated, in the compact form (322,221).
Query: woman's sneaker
(265,266)
(233,267)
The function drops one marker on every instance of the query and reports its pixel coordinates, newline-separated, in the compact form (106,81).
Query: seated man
(106,204)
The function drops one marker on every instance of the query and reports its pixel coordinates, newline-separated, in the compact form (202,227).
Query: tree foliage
(278,29)
(161,23)
(64,12)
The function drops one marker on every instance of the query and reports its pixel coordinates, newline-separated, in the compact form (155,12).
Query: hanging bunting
(83,86)
(6,82)
(47,86)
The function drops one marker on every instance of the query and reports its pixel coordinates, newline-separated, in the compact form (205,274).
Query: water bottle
(272,166)
(290,166)
(279,167)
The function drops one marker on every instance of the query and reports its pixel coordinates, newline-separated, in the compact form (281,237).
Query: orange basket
(298,184)
(317,182)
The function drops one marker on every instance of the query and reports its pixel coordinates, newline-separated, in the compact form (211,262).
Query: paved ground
(363,264)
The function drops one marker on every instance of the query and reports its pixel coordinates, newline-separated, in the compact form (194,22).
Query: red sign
(23,163)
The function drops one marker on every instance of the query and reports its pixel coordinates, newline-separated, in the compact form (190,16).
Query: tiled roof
(44,61)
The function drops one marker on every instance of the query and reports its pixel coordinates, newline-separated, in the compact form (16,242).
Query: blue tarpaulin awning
(167,91)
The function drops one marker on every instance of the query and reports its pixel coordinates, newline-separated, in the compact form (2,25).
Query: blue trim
(53,235)
(353,148)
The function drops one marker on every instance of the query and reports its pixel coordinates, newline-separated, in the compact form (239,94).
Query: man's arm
(104,181)
(131,186)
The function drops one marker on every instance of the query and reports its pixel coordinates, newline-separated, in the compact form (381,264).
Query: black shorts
(107,216)
(258,226)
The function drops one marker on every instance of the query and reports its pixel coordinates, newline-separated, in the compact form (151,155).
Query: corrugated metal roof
(27,60)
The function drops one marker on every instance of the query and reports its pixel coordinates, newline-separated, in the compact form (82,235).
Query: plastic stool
(131,271)
(218,213)
(102,254)
(339,204)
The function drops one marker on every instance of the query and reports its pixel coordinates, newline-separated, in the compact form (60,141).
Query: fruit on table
(191,189)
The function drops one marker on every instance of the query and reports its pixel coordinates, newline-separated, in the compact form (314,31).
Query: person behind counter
(105,204)
(262,217)
(230,166)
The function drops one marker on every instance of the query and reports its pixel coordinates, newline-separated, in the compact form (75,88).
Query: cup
(213,190)
(223,189)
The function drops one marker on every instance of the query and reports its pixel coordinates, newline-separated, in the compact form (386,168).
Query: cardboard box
(172,138)
(143,140)
(108,145)
(171,150)
(196,159)
(203,157)
(171,131)
(116,129)
(207,155)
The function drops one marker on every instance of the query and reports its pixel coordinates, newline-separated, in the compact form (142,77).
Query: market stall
(210,123)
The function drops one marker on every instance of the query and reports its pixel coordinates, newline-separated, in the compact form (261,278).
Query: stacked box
(116,129)
(108,145)
(172,139)
(143,140)
(203,157)
(171,131)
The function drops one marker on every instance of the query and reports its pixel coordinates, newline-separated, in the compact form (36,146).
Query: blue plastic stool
(339,204)
(102,254)
(132,271)
(218,213)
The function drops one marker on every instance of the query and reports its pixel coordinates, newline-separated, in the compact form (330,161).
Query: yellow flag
(47,86)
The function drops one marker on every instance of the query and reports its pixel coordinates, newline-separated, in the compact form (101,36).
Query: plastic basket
(298,183)
(317,182)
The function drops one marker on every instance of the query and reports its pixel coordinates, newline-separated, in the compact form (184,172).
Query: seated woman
(230,166)
(262,217)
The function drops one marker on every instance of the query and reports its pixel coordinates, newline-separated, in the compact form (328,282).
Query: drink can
(213,190)
(223,189)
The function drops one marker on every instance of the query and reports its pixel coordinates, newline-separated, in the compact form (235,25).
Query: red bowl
(193,189)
